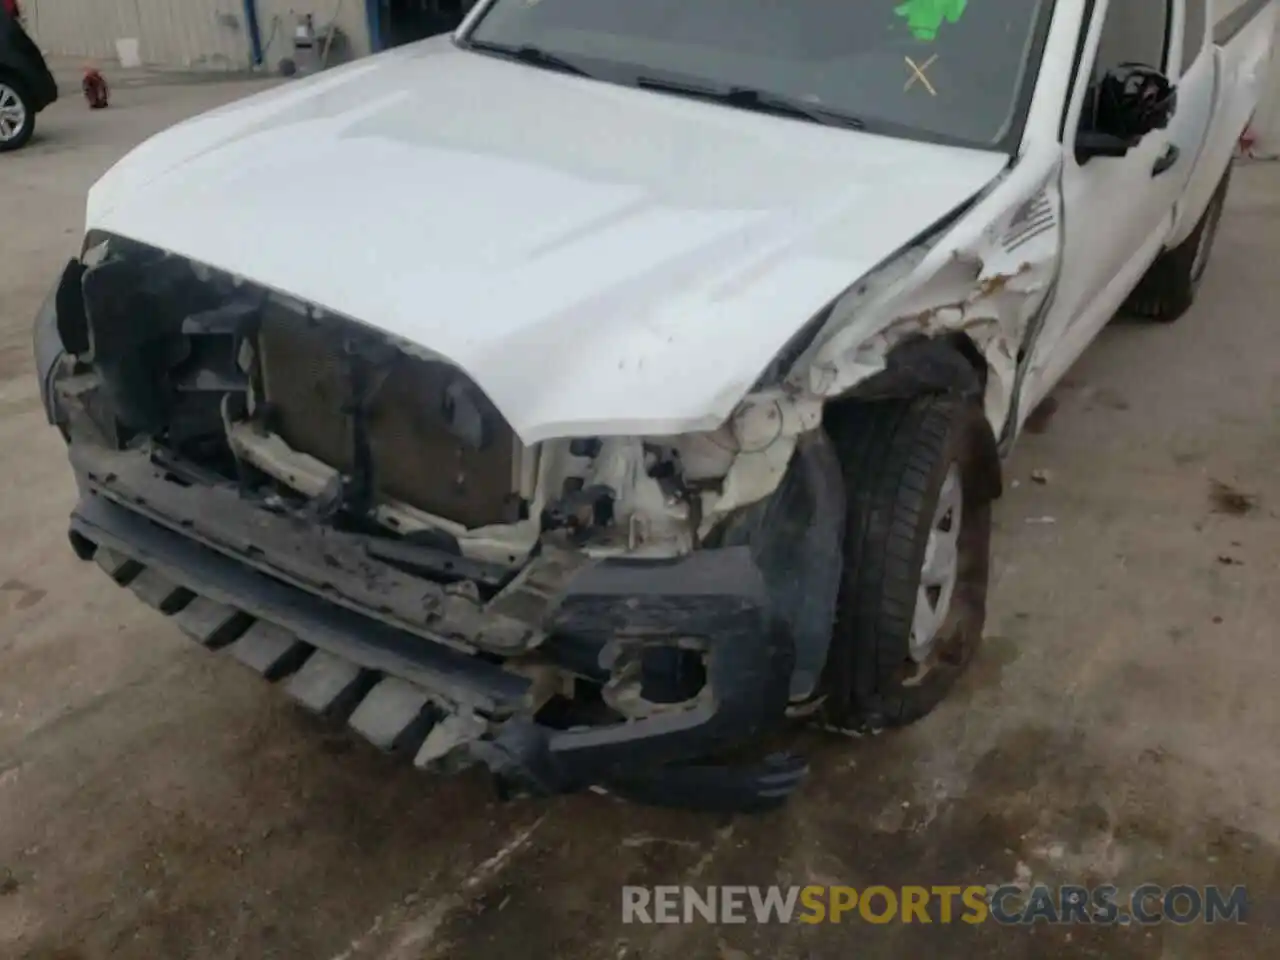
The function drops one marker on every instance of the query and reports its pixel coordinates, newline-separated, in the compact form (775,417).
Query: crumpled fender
(986,278)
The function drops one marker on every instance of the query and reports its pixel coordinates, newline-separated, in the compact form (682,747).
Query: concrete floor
(1119,724)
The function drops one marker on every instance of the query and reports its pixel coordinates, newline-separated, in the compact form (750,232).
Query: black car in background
(26,85)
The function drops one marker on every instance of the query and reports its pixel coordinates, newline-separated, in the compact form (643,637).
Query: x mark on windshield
(918,73)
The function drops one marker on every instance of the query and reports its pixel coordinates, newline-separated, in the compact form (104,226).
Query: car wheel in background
(17,115)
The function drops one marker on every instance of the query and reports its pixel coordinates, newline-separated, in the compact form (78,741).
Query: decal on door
(924,17)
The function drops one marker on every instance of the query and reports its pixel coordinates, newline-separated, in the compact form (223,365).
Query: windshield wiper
(761,100)
(527,53)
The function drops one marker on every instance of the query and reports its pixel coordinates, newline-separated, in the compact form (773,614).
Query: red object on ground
(1248,140)
(95,89)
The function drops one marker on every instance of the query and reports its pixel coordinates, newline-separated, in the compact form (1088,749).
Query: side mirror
(1091,143)
(1126,104)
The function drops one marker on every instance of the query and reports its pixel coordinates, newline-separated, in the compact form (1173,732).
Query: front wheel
(913,598)
(17,115)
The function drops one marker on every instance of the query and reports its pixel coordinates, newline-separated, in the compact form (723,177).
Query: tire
(1169,287)
(897,459)
(15,99)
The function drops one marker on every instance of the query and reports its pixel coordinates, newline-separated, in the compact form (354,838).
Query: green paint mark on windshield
(924,17)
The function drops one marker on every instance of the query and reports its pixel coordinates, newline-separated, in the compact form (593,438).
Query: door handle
(1166,160)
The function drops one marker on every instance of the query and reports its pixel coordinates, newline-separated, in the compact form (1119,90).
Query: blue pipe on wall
(373,13)
(255,34)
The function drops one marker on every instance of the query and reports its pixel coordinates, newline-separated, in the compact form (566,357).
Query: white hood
(599,259)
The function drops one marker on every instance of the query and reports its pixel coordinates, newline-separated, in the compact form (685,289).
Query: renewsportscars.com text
(971,904)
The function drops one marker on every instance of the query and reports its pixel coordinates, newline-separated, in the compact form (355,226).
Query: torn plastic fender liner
(797,538)
(60,329)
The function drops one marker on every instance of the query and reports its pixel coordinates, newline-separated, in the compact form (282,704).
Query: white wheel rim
(940,570)
(13,114)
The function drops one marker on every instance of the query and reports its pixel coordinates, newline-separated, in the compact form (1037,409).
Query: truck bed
(1241,37)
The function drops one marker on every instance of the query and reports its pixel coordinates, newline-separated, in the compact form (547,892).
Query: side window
(1193,35)
(1136,31)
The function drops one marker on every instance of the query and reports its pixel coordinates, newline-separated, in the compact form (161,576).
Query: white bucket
(128,53)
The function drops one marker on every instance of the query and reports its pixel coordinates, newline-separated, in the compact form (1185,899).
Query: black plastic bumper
(714,597)
(715,601)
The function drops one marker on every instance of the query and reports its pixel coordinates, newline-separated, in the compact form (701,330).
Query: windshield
(950,70)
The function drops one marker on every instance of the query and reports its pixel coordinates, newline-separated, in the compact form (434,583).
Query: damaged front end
(353,518)
(349,514)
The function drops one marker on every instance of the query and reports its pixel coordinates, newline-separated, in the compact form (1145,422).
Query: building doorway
(403,21)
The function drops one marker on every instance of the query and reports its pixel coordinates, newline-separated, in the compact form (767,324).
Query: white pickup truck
(589,391)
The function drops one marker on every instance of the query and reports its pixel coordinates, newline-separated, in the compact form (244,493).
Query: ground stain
(233,870)
(27,595)
(1228,500)
(1103,817)
(1110,400)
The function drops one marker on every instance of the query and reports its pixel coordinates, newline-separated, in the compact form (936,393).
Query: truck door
(1240,37)
(1118,211)
(1191,65)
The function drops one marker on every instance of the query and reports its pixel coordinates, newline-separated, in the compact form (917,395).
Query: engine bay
(225,382)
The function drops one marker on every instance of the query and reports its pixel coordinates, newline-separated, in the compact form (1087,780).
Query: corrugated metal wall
(77,28)
(195,34)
